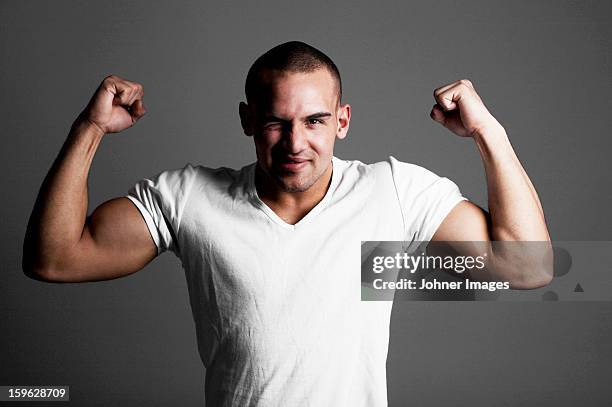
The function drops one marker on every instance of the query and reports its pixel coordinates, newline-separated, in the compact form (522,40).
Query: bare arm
(516,216)
(63,244)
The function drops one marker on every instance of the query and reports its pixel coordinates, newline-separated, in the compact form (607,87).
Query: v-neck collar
(257,202)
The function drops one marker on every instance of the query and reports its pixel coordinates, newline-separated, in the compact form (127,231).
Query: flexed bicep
(115,242)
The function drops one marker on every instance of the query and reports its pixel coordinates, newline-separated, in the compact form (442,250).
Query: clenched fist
(116,105)
(459,108)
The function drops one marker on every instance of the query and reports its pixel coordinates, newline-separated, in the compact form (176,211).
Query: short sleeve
(425,199)
(161,201)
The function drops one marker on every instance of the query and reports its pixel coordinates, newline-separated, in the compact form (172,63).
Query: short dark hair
(292,56)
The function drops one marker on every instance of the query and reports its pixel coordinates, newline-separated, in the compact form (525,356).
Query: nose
(295,139)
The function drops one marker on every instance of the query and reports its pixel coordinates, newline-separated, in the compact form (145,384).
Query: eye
(312,122)
(272,126)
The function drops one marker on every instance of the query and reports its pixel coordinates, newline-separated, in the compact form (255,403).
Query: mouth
(293,163)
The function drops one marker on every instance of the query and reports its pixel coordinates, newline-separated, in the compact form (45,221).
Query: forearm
(58,218)
(514,206)
(516,219)
(522,254)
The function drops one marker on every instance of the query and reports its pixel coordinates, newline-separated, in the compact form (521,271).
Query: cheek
(265,142)
(323,143)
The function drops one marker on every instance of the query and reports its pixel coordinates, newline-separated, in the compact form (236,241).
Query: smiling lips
(293,163)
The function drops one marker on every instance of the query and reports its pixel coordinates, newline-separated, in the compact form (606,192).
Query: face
(294,122)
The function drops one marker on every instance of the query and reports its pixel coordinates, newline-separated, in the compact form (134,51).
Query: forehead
(296,92)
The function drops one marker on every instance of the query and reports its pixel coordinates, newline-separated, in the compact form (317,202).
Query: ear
(344,118)
(245,119)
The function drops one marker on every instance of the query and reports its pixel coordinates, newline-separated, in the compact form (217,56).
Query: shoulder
(177,183)
(410,171)
(177,176)
(391,167)
(359,168)
(200,174)
(222,179)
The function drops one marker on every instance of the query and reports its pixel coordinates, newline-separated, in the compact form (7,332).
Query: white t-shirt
(277,307)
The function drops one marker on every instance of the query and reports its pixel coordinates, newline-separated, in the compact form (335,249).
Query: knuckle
(440,96)
(466,82)
(109,82)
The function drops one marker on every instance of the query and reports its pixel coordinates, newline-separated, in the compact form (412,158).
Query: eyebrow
(318,115)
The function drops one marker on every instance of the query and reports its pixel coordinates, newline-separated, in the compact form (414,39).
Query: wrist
(86,126)
(492,140)
(488,133)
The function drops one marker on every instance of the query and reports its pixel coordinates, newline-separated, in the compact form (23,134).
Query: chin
(294,185)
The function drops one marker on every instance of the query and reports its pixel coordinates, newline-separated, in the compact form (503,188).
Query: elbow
(537,271)
(535,279)
(31,263)
(34,267)
(42,275)
(46,262)
(45,274)
(542,266)
(37,272)
(528,265)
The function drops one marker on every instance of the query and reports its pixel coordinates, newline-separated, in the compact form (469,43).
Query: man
(271,252)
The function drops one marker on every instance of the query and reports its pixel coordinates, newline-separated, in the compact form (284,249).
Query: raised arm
(62,243)
(516,216)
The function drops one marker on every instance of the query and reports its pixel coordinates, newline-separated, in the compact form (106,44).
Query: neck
(291,206)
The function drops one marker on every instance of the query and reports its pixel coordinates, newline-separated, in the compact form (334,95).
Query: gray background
(543,68)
